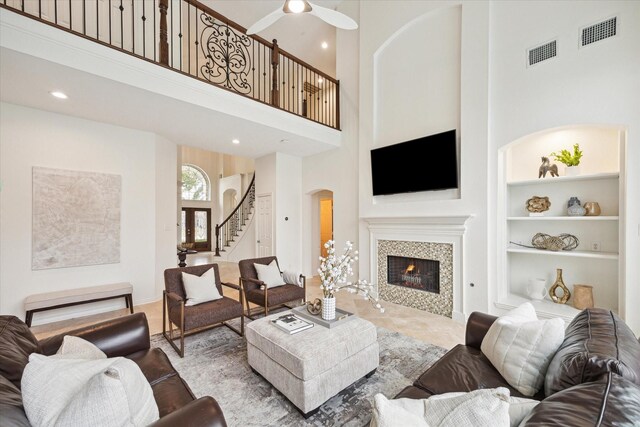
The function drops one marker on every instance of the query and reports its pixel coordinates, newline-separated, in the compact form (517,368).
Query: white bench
(66,298)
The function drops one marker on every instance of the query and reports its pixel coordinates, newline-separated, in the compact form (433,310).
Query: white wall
(166,206)
(597,84)
(336,170)
(288,211)
(405,25)
(146,163)
(280,175)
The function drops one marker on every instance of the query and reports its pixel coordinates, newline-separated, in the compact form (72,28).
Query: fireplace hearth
(415,273)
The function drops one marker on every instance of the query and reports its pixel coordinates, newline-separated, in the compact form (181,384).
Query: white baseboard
(459,317)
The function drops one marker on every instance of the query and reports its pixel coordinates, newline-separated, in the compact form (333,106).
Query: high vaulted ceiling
(300,35)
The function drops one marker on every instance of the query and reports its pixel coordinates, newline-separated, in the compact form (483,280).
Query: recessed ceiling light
(59,95)
(235,141)
(320,80)
(324,45)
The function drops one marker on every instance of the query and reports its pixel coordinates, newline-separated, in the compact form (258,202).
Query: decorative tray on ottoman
(342,316)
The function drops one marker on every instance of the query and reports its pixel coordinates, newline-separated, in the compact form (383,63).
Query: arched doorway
(321,225)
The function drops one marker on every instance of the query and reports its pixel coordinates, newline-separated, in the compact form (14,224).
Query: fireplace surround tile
(441,303)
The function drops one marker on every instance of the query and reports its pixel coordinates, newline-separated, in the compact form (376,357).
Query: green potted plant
(570,160)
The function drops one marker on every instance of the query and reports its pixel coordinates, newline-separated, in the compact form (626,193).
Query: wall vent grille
(542,53)
(308,87)
(600,31)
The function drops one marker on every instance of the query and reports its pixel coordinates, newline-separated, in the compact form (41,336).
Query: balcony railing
(189,37)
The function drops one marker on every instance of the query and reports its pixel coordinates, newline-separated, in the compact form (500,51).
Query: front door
(264,226)
(196,228)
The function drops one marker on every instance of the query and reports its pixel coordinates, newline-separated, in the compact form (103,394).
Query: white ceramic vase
(537,289)
(328,308)
(572,171)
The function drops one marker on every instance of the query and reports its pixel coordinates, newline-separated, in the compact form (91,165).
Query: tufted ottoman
(311,366)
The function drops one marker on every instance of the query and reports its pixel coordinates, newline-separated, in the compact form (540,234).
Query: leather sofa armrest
(203,412)
(477,327)
(173,296)
(116,337)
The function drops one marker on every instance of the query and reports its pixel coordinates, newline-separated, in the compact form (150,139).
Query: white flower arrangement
(335,270)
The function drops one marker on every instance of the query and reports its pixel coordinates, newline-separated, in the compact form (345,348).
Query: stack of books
(291,323)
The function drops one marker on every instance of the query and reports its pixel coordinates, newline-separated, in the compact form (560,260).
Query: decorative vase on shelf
(572,171)
(559,283)
(592,208)
(328,308)
(574,208)
(582,296)
(537,289)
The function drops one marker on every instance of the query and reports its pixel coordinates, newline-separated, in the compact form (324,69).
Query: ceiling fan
(330,16)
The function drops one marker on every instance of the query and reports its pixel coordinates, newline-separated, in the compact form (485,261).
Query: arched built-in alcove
(596,260)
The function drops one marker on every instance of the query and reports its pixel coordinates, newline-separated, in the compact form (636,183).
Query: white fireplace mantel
(439,229)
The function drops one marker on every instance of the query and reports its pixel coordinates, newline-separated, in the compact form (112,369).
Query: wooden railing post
(337,95)
(275,61)
(217,240)
(164,38)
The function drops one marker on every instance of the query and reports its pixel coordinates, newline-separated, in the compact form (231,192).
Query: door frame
(270,194)
(191,218)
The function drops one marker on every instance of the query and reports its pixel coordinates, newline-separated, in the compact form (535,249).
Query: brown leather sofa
(593,380)
(126,336)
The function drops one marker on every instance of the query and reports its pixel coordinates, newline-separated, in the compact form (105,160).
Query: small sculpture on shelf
(545,167)
(559,284)
(574,208)
(538,205)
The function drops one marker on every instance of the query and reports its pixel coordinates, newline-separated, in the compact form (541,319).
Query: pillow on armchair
(199,289)
(269,274)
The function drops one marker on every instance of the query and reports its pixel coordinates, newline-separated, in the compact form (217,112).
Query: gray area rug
(215,364)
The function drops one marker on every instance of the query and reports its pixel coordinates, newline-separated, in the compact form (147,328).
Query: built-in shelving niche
(601,179)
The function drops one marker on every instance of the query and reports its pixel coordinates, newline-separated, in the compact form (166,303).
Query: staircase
(231,230)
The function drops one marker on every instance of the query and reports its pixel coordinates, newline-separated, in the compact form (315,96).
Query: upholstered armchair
(256,292)
(196,318)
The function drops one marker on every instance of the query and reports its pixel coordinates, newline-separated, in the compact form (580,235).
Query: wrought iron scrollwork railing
(193,39)
(233,223)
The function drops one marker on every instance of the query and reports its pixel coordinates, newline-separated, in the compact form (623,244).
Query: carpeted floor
(215,364)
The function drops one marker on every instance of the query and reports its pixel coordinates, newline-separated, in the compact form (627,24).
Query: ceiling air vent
(308,87)
(600,31)
(542,53)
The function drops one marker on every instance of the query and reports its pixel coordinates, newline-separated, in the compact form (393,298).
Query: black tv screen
(423,164)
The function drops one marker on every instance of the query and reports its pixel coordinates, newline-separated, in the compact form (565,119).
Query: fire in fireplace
(415,273)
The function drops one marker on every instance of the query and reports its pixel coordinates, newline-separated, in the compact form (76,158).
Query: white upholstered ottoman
(311,366)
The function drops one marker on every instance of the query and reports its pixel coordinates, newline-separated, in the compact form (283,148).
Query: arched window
(195,184)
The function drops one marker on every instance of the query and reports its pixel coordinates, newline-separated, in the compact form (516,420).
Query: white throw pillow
(78,348)
(199,289)
(397,412)
(520,347)
(269,274)
(519,407)
(75,392)
(479,408)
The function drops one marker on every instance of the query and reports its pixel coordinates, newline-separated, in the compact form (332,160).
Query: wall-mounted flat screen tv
(423,164)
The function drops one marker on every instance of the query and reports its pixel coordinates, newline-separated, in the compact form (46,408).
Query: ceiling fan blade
(266,21)
(333,17)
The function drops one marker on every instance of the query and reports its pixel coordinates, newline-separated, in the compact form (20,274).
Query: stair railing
(232,225)
(190,38)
